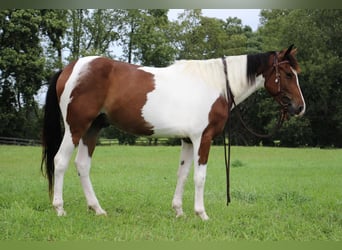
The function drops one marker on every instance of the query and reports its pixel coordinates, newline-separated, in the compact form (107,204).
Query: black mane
(255,62)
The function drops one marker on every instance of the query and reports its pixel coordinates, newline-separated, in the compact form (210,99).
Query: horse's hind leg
(61,161)
(83,162)
(186,160)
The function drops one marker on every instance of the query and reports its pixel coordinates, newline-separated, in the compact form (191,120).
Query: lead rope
(230,98)
(227,159)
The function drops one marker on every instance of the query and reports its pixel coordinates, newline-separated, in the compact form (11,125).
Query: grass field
(277,194)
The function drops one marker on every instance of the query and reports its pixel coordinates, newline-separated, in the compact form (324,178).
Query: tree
(202,37)
(187,38)
(21,70)
(100,32)
(92,32)
(130,22)
(145,38)
(54,26)
(152,39)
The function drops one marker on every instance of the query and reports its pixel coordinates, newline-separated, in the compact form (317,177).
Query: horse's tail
(52,131)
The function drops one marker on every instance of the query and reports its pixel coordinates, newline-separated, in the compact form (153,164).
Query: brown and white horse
(187,99)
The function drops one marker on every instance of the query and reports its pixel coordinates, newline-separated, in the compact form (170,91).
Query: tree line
(36,43)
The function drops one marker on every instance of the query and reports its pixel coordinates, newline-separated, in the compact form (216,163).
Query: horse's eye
(288,75)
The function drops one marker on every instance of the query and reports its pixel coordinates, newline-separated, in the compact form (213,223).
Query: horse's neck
(212,72)
(237,73)
(249,89)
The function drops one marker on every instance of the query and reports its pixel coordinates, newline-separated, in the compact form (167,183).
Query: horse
(190,100)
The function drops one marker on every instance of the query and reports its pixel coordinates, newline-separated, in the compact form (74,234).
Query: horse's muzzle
(292,107)
(296,110)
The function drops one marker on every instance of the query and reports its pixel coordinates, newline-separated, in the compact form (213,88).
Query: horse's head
(281,81)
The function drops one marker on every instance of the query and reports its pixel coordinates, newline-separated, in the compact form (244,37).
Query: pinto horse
(190,99)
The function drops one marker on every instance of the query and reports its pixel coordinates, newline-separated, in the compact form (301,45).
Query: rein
(231,101)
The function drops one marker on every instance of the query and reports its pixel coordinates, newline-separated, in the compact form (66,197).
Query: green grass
(277,194)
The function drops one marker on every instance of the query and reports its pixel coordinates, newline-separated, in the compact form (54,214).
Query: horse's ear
(288,51)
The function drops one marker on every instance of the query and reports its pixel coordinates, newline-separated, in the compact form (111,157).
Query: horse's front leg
(186,160)
(201,152)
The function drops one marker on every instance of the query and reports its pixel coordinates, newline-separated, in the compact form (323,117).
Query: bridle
(279,93)
(230,99)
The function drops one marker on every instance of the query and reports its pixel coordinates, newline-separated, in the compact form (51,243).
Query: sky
(248,17)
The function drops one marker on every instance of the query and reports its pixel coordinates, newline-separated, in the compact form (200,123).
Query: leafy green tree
(54,26)
(152,39)
(100,32)
(202,37)
(92,32)
(187,38)
(130,22)
(21,70)
(145,37)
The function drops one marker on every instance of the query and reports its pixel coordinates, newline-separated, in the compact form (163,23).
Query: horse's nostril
(301,110)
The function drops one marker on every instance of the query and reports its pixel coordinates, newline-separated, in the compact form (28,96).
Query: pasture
(277,194)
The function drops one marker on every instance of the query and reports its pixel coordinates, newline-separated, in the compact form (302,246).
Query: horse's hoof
(61,212)
(203,216)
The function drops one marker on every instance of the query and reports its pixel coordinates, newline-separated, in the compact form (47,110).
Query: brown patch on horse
(87,100)
(218,116)
(127,94)
(115,88)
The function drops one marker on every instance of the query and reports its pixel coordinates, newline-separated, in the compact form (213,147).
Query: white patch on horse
(181,101)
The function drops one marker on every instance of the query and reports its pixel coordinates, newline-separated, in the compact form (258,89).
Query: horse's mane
(255,62)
